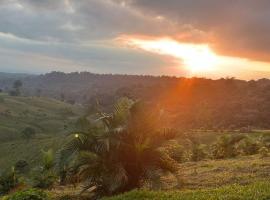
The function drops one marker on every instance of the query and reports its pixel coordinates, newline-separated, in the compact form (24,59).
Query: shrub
(14,93)
(43,179)
(28,133)
(8,181)
(198,152)
(175,150)
(2,100)
(30,194)
(22,166)
(250,146)
(44,176)
(247,129)
(225,147)
(65,197)
(263,152)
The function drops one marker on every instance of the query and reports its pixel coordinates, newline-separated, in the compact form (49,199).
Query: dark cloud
(73,20)
(233,27)
(69,29)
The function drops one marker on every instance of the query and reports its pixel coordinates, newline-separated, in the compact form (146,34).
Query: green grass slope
(242,170)
(50,118)
(241,178)
(255,191)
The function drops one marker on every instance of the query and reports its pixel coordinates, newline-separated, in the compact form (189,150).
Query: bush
(225,147)
(65,197)
(2,100)
(8,181)
(14,93)
(249,146)
(22,166)
(175,150)
(28,133)
(198,152)
(43,179)
(30,194)
(263,152)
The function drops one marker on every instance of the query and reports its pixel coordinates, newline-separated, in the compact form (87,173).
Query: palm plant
(43,176)
(118,153)
(225,147)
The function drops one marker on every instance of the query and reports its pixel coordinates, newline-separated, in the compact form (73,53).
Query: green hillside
(255,191)
(50,118)
(242,178)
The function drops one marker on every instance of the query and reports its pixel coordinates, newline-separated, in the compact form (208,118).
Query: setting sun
(196,58)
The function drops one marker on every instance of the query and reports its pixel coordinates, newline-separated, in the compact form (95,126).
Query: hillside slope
(255,191)
(50,118)
(242,178)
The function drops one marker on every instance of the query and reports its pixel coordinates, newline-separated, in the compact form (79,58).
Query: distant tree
(2,99)
(1,90)
(38,92)
(13,93)
(16,88)
(71,101)
(62,97)
(17,84)
(28,133)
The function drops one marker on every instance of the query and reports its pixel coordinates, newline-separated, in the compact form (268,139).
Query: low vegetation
(128,148)
(255,191)
(30,124)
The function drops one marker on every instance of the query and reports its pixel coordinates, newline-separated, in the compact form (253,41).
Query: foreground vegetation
(130,147)
(256,191)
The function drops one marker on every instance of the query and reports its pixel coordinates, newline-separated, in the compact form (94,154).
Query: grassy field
(239,178)
(255,191)
(50,118)
(215,173)
(242,178)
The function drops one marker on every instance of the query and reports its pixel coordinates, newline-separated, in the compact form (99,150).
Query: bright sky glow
(195,57)
(198,59)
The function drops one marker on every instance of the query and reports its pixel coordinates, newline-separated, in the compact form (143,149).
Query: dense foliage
(190,102)
(8,181)
(122,150)
(31,194)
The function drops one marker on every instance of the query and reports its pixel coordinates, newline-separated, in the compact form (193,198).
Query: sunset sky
(209,38)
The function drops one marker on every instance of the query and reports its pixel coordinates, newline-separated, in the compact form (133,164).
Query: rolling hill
(51,120)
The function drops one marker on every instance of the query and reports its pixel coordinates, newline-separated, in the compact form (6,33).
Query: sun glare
(197,58)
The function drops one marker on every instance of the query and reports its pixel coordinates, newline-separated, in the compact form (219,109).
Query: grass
(215,173)
(241,178)
(255,191)
(50,118)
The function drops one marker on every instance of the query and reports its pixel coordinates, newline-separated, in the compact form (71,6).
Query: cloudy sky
(213,38)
